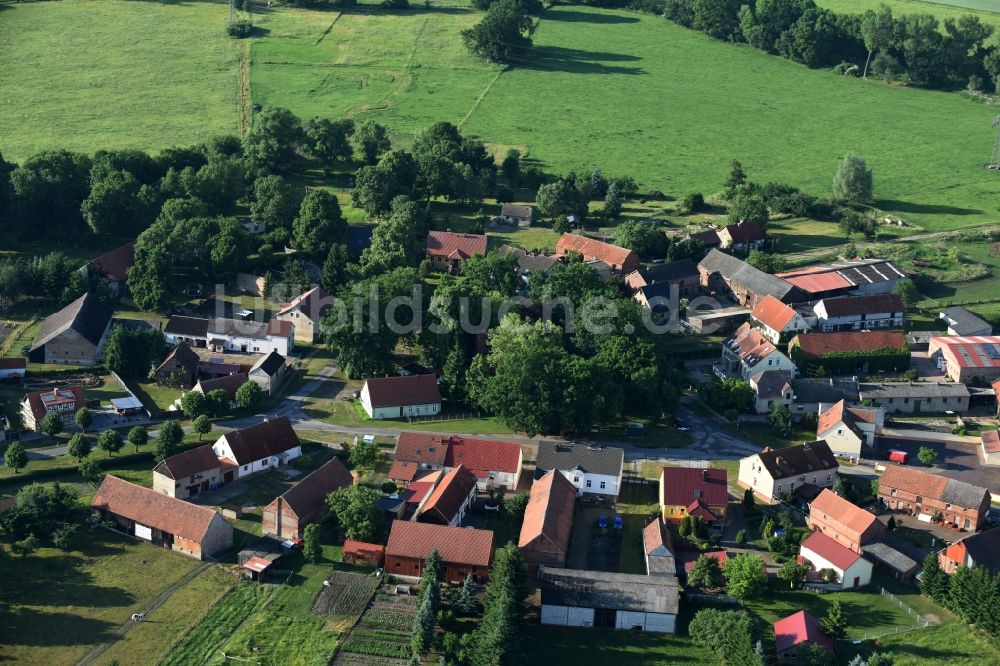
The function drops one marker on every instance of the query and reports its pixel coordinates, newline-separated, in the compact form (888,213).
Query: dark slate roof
(886,554)
(189,327)
(359,238)
(964,322)
(188,463)
(740,272)
(984,549)
(825,390)
(308,496)
(568,456)
(889,390)
(771,383)
(270,364)
(608,590)
(845,306)
(184,356)
(797,460)
(674,271)
(267,438)
(965,494)
(86,315)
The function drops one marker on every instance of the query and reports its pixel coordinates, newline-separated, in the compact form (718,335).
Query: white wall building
(822,552)
(770,474)
(401,396)
(596,471)
(261,447)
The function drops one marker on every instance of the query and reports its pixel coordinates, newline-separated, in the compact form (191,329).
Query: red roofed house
(64,401)
(548,522)
(269,444)
(287,516)
(462,551)
(977,550)
(451,499)
(306,313)
(850,352)
(619,259)
(990,447)
(847,524)
(849,430)
(748,352)
(775,319)
(793,631)
(822,552)
(13,366)
(189,529)
(190,472)
(857,313)
(362,554)
(113,266)
(447,250)
(690,491)
(968,357)
(395,397)
(495,464)
(925,495)
(744,236)
(689,558)
(658,548)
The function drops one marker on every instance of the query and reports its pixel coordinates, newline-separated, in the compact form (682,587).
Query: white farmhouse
(822,552)
(858,313)
(261,447)
(770,474)
(848,430)
(606,600)
(748,352)
(592,470)
(232,335)
(400,397)
(776,320)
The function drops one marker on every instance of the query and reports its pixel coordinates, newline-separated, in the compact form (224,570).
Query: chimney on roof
(704,475)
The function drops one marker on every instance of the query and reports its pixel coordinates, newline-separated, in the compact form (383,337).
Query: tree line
(910,48)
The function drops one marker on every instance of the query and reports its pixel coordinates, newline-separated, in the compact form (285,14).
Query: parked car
(618,522)
(897,456)
(602,522)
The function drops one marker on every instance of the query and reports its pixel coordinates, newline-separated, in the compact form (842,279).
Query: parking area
(955,460)
(926,367)
(591,546)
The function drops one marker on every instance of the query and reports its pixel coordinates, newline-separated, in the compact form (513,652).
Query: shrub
(239,27)
(741,537)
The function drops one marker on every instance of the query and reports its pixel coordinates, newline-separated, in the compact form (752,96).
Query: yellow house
(691,491)
(307,312)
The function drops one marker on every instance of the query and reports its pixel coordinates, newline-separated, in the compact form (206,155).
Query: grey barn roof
(740,272)
(86,315)
(964,322)
(607,590)
(965,494)
(890,390)
(567,456)
(270,364)
(984,548)
(824,390)
(886,554)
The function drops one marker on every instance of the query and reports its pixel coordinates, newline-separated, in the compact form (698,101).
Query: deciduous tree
(15,457)
(110,441)
(354,509)
(853,180)
(79,446)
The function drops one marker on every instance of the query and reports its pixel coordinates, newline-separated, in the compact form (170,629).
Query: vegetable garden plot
(346,594)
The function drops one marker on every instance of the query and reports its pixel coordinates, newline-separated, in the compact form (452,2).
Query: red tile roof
(839,556)
(402,471)
(280,328)
(773,313)
(115,264)
(422,448)
(746,231)
(13,363)
(403,391)
(153,509)
(307,498)
(679,486)
(450,494)
(991,441)
(836,509)
(362,549)
(799,628)
(818,344)
(188,463)
(700,509)
(719,556)
(455,545)
(839,412)
(484,455)
(612,255)
(455,246)
(549,513)
(61,395)
(750,344)
(313,303)
(418,490)
(979,351)
(656,537)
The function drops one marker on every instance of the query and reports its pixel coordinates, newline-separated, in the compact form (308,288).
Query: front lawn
(60,604)
(546,645)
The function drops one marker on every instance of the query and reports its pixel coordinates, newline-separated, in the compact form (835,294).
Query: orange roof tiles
(451,493)
(362,549)
(153,509)
(614,256)
(455,246)
(836,509)
(549,513)
(773,313)
(991,441)
(455,545)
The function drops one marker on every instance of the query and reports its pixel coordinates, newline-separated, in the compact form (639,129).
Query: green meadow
(988,11)
(112,74)
(628,93)
(634,94)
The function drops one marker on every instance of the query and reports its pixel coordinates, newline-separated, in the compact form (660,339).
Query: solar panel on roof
(993,351)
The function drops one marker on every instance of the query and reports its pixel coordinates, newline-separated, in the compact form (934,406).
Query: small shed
(129,406)
(363,554)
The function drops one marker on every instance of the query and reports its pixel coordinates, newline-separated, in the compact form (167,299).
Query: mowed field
(94,74)
(988,11)
(635,94)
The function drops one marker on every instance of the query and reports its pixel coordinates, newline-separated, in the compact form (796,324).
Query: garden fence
(922,622)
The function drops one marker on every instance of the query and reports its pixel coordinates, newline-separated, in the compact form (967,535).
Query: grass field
(550,645)
(987,10)
(59,604)
(107,74)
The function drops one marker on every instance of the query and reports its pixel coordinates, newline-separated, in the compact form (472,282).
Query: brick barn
(305,502)
(463,551)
